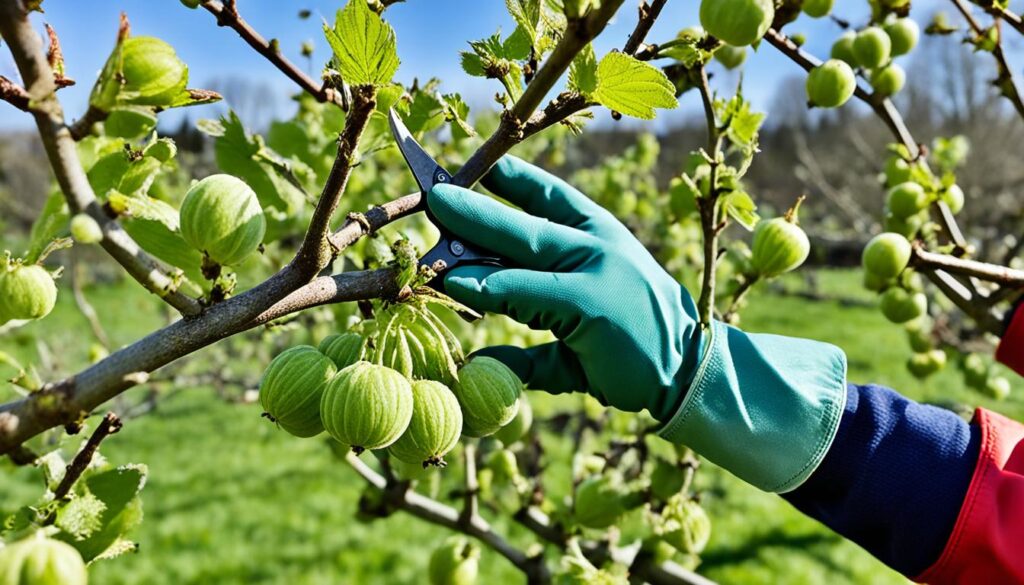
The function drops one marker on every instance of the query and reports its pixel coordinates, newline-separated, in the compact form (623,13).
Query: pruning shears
(450,251)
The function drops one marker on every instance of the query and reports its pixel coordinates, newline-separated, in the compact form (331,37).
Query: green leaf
(363,44)
(526,13)
(583,71)
(144,207)
(129,122)
(425,113)
(118,490)
(52,221)
(518,45)
(139,176)
(742,124)
(632,87)
(82,516)
(166,245)
(472,64)
(740,207)
(106,174)
(456,112)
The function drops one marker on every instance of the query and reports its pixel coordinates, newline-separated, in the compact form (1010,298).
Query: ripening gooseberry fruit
(906,199)
(904,226)
(871,47)
(817,8)
(731,57)
(886,255)
(924,364)
(488,392)
(842,49)
(292,387)
(26,292)
(344,349)
(222,218)
(997,387)
(903,32)
(85,229)
(367,406)
(737,22)
(779,245)
(954,198)
(888,80)
(456,562)
(434,428)
(897,170)
(152,72)
(900,306)
(38,560)
(830,84)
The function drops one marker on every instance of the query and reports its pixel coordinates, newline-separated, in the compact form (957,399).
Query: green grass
(231,500)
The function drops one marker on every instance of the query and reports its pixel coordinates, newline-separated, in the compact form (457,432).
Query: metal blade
(424,168)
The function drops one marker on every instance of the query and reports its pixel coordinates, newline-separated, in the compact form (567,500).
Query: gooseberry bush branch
(991,39)
(889,114)
(27,50)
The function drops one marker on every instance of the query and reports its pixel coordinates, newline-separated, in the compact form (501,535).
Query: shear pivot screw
(457,248)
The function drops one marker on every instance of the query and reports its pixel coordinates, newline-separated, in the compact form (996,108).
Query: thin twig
(737,298)
(648,14)
(471,500)
(708,208)
(1005,82)
(82,303)
(435,512)
(109,425)
(227,15)
(14,94)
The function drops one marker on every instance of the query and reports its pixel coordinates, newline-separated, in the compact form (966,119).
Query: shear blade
(424,168)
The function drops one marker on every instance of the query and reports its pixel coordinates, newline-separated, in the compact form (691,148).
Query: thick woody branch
(1011,18)
(27,49)
(68,400)
(402,498)
(1006,276)
(1005,82)
(227,15)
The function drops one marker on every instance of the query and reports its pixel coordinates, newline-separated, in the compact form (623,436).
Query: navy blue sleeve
(895,477)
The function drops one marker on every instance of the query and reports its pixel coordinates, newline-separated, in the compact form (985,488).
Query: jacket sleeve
(987,542)
(929,494)
(1011,347)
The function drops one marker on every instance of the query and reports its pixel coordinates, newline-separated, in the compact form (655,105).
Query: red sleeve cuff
(985,546)
(1011,348)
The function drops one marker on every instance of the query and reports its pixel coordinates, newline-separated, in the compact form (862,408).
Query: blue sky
(430,35)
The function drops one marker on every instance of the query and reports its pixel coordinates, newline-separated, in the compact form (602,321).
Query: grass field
(231,500)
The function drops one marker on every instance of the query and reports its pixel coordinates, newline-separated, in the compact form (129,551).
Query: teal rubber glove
(765,407)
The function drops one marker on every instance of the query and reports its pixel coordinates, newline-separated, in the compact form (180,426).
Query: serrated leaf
(140,175)
(740,207)
(472,64)
(456,113)
(106,174)
(118,489)
(119,547)
(82,516)
(52,221)
(526,13)
(583,71)
(632,87)
(166,245)
(363,44)
(425,113)
(742,124)
(246,156)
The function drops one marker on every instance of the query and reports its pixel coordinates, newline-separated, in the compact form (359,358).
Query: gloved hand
(628,333)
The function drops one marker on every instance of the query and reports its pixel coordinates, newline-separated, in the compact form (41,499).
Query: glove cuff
(764,407)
